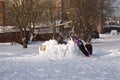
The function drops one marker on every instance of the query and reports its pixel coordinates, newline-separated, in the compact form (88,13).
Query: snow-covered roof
(112,26)
(4,29)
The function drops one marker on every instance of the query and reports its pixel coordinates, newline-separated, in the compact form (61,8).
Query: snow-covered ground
(61,62)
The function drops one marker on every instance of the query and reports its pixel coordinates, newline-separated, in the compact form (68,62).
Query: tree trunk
(99,27)
(23,36)
(54,32)
(24,43)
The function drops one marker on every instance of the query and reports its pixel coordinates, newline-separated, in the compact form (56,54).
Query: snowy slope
(29,64)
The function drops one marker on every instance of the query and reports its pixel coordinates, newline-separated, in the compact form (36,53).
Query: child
(60,38)
(81,45)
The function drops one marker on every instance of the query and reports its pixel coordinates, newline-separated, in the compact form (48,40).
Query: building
(57,2)
(109,28)
(2,13)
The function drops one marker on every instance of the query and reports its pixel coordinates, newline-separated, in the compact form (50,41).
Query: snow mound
(59,51)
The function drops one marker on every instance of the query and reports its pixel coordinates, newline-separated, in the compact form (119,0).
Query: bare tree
(21,13)
(87,15)
(50,14)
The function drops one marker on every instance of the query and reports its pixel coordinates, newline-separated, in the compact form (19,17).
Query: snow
(7,29)
(61,51)
(61,62)
(116,26)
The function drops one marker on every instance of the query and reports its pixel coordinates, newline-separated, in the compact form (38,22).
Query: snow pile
(114,32)
(59,51)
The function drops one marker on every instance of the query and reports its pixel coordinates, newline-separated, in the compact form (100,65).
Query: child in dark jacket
(60,39)
(81,45)
(89,47)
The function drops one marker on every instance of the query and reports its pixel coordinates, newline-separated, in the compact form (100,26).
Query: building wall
(2,13)
(58,2)
(10,37)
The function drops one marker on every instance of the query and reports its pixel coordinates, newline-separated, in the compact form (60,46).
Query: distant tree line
(89,15)
(86,15)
